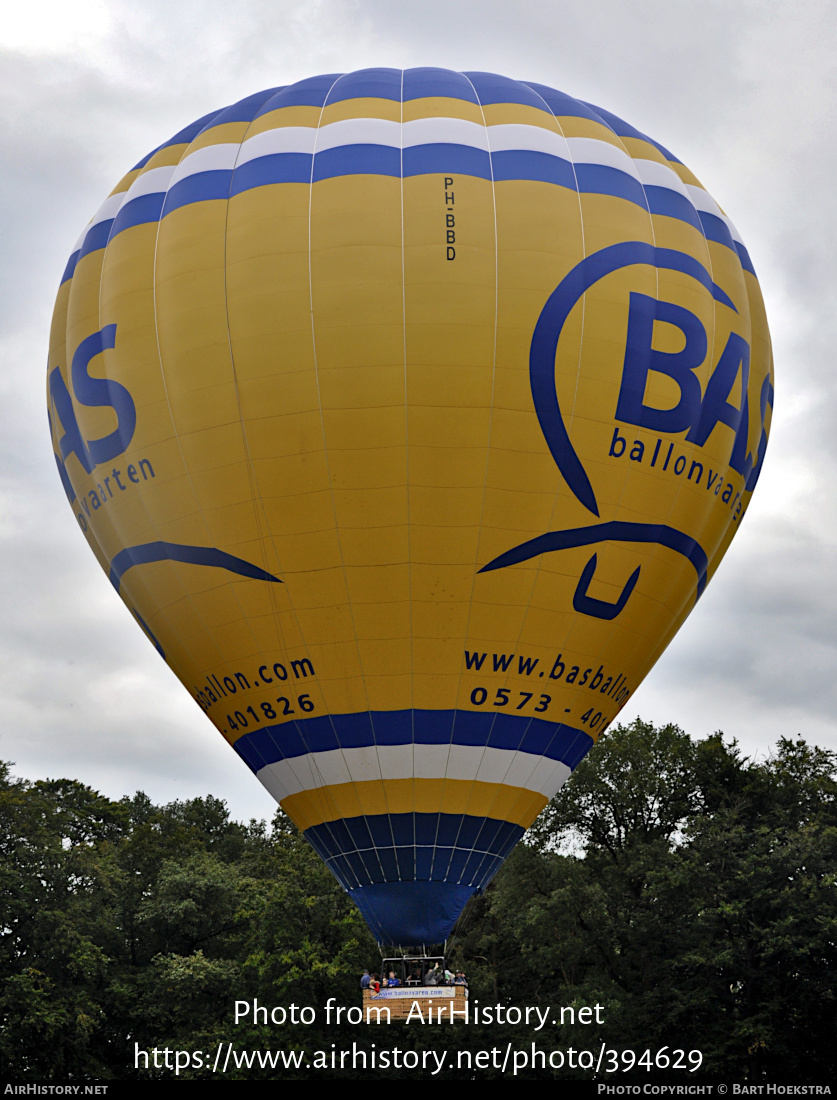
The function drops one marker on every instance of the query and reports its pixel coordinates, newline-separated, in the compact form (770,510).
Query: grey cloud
(743,93)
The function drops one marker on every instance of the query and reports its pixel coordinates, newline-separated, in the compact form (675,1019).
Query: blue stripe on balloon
(97,237)
(69,270)
(556,741)
(273,168)
(561,104)
(744,257)
(524,164)
(367,84)
(138,211)
(446,157)
(353,160)
(493,88)
(311,92)
(716,229)
(441,157)
(201,187)
(601,179)
(671,204)
(425,82)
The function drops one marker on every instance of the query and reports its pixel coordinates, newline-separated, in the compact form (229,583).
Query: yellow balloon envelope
(410,413)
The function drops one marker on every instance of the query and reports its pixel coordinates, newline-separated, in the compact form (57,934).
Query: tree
(688,890)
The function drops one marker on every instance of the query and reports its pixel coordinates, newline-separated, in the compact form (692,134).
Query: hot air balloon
(410,413)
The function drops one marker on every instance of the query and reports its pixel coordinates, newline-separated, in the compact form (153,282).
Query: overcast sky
(743,92)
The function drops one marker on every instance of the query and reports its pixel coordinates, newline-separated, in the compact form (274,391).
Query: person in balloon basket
(365,980)
(433,975)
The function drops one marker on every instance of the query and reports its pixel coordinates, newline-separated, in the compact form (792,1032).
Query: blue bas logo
(91,392)
(695,413)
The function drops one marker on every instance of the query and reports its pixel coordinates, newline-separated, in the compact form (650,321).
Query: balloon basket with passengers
(415,988)
(410,413)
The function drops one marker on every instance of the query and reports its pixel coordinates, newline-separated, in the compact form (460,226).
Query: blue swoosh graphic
(190,555)
(614,531)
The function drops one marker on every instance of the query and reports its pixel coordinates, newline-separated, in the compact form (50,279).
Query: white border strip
(478,763)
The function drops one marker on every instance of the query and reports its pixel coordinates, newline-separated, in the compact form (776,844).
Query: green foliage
(688,890)
(692,892)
